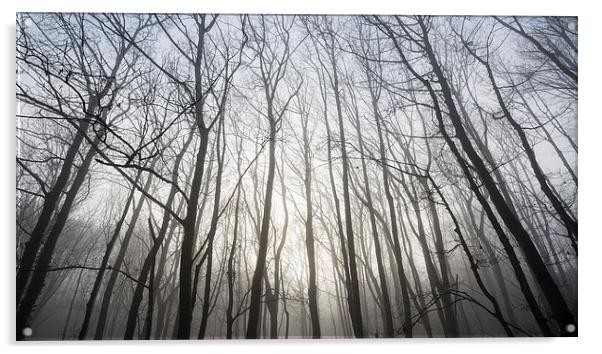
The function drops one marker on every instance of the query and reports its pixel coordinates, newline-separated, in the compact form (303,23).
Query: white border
(435,7)
(590,199)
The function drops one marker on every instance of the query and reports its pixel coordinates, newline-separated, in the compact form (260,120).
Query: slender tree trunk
(542,275)
(148,323)
(473,265)
(312,291)
(149,261)
(104,262)
(221,145)
(549,138)
(354,296)
(407,310)
(497,271)
(188,241)
(38,278)
(106,299)
(75,295)
(256,288)
(559,308)
(386,302)
(51,200)
(570,224)
(230,272)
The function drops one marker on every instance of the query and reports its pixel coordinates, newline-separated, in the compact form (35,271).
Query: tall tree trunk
(105,261)
(407,310)
(387,317)
(230,272)
(38,278)
(541,273)
(221,145)
(560,310)
(106,299)
(51,200)
(188,241)
(75,295)
(473,265)
(53,197)
(312,291)
(497,271)
(149,261)
(570,224)
(148,322)
(256,287)
(354,295)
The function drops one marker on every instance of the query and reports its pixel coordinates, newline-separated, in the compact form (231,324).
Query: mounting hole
(570,328)
(27,22)
(27,332)
(572,26)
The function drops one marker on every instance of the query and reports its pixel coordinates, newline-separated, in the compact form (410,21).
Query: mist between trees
(233,176)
